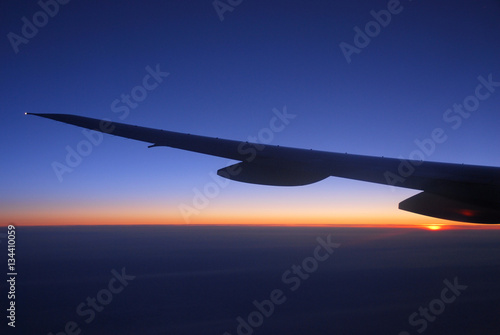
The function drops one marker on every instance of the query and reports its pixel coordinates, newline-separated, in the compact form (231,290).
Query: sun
(434,227)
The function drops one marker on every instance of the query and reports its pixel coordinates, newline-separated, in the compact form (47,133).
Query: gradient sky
(225,79)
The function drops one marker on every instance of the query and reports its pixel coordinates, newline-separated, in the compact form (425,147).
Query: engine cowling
(276,174)
(438,206)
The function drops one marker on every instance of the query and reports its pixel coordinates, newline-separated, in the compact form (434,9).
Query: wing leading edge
(458,192)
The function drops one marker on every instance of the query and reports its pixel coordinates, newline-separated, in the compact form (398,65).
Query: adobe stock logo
(372,29)
(221,7)
(435,307)
(293,278)
(454,117)
(202,196)
(29,29)
(96,304)
(122,107)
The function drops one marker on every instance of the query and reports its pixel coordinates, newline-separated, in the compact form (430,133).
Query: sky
(226,71)
(164,245)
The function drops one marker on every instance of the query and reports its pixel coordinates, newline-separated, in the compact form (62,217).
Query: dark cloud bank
(255,280)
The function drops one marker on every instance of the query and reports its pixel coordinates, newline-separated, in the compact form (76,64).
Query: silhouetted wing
(458,192)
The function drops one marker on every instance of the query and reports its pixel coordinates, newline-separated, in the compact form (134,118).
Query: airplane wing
(459,192)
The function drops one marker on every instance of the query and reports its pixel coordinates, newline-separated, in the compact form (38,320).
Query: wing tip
(40,114)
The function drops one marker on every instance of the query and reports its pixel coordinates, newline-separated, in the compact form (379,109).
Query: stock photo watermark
(202,196)
(363,37)
(95,304)
(223,6)
(292,278)
(11,274)
(430,312)
(120,106)
(453,117)
(30,27)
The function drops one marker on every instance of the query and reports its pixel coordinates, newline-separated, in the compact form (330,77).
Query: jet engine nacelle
(270,173)
(438,206)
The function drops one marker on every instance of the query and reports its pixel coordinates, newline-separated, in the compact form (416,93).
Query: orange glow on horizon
(141,213)
(69,218)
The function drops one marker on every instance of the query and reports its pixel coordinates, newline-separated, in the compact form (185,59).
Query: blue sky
(225,79)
